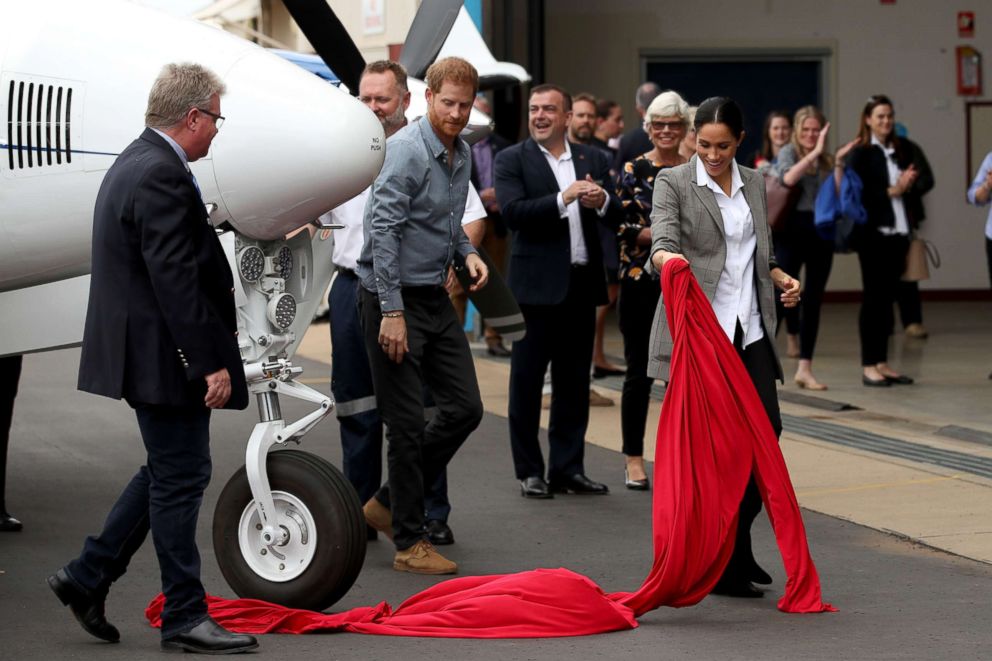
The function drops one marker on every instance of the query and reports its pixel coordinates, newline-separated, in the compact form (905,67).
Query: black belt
(349,272)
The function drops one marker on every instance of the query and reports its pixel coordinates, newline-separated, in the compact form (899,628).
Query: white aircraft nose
(291,148)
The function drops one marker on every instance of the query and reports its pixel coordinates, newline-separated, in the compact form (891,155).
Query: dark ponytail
(720,110)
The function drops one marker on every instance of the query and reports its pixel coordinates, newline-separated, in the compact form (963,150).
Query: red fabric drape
(712,433)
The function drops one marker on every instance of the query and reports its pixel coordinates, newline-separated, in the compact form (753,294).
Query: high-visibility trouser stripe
(355,406)
(508,320)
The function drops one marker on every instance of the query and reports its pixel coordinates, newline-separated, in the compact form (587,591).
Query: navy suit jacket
(540,255)
(161,312)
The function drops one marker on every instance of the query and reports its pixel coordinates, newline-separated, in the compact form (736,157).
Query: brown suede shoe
(423,558)
(379,517)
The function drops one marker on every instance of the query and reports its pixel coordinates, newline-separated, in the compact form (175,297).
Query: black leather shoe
(603,372)
(535,487)
(87,609)
(739,589)
(9,523)
(635,485)
(439,533)
(579,484)
(497,349)
(759,575)
(875,383)
(900,379)
(208,637)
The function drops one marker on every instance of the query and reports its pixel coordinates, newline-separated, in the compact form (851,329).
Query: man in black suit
(160,333)
(552,197)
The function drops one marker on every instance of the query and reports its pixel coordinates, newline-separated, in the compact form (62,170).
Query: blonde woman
(804,162)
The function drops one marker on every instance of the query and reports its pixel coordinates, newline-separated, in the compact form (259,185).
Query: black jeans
(10,375)
(439,358)
(883,260)
(797,245)
(358,415)
(759,361)
(163,496)
(635,309)
(563,335)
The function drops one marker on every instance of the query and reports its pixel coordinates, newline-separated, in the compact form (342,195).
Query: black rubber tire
(338,518)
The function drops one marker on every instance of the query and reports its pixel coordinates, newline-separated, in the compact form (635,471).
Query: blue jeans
(164,496)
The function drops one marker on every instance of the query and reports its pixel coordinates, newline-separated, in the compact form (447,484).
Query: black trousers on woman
(797,245)
(883,260)
(635,309)
(759,361)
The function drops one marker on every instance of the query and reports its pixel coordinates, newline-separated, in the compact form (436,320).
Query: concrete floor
(900,597)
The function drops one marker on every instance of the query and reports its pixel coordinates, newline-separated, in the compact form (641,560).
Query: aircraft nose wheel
(317,551)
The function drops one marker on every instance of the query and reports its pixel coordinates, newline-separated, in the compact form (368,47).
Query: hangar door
(759,82)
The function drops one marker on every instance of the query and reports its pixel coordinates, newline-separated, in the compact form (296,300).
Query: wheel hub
(294,542)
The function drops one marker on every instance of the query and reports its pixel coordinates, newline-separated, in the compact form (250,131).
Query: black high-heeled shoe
(635,485)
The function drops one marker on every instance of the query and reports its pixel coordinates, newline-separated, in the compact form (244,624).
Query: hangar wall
(905,50)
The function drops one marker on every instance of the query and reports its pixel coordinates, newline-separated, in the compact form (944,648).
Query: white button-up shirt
(736,297)
(349,239)
(564,171)
(901,225)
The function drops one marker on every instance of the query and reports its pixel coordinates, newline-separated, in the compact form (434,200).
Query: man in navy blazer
(160,333)
(552,196)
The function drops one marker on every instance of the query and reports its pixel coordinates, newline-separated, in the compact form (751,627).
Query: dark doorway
(759,86)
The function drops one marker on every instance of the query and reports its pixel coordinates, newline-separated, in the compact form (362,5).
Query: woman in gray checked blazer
(712,213)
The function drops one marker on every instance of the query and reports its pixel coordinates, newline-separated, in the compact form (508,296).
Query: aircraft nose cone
(291,148)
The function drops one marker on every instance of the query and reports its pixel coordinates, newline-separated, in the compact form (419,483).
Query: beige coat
(685,219)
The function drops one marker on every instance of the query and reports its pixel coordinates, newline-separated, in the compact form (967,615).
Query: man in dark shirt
(412,231)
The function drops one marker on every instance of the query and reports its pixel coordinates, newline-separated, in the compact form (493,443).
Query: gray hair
(179,87)
(667,104)
(645,94)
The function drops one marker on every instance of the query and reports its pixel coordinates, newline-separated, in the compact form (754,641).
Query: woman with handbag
(803,164)
(711,213)
(666,122)
(893,182)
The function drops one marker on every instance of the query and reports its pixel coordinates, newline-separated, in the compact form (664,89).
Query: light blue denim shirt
(413,219)
(983,172)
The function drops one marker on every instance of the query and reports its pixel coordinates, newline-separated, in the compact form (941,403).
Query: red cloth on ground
(712,433)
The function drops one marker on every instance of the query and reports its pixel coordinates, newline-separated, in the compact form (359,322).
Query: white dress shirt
(736,297)
(564,171)
(349,239)
(901,225)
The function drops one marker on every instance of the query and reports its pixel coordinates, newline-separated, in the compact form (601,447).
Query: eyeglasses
(662,126)
(218,119)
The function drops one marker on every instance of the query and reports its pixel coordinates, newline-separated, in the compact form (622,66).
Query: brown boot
(423,558)
(379,517)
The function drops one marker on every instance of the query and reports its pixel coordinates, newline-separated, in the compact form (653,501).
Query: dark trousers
(354,400)
(562,335)
(10,375)
(910,305)
(759,360)
(988,256)
(796,246)
(439,358)
(883,260)
(635,309)
(163,496)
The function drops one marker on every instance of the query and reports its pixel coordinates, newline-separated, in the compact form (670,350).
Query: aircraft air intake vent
(38,125)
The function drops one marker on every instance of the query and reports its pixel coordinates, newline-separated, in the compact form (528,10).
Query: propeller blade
(427,33)
(328,37)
